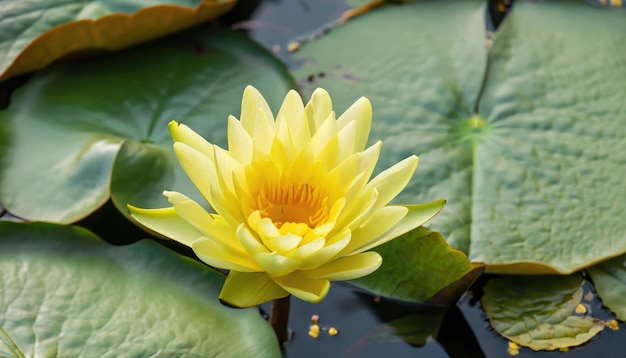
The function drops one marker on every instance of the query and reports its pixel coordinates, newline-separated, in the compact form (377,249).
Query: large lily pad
(418,266)
(519,138)
(539,312)
(64,292)
(33,34)
(82,131)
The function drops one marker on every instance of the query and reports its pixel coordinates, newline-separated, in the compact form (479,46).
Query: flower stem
(279,318)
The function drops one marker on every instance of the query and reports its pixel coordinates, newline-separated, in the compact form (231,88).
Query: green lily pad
(520,138)
(36,33)
(64,292)
(83,131)
(609,279)
(539,311)
(419,266)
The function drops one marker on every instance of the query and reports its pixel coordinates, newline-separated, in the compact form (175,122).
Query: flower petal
(263,135)
(211,226)
(248,289)
(347,141)
(226,166)
(333,246)
(317,109)
(291,110)
(167,223)
(391,181)
(216,255)
(370,234)
(198,167)
(251,103)
(239,142)
(360,112)
(181,133)
(417,215)
(358,210)
(347,267)
(249,241)
(307,289)
(276,264)
(324,143)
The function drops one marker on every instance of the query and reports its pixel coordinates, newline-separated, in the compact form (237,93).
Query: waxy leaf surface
(80,132)
(539,311)
(417,266)
(65,292)
(34,34)
(609,279)
(520,133)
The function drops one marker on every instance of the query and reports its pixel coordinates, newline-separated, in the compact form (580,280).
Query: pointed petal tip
(320,93)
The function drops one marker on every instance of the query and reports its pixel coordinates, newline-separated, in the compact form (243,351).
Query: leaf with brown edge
(35,34)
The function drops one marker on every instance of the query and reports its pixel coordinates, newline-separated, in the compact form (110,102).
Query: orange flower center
(293,202)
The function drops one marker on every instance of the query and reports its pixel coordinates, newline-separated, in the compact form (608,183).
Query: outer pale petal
(307,289)
(252,102)
(358,210)
(263,136)
(167,223)
(184,134)
(361,113)
(322,256)
(391,181)
(214,254)
(291,110)
(347,267)
(276,264)
(211,226)
(324,143)
(239,141)
(417,215)
(246,289)
(249,241)
(318,109)
(198,167)
(370,233)
(347,141)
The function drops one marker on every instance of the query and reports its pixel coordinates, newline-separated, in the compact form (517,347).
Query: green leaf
(66,293)
(76,130)
(609,279)
(520,139)
(418,265)
(36,33)
(539,311)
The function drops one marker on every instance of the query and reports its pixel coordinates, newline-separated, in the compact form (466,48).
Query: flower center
(293,202)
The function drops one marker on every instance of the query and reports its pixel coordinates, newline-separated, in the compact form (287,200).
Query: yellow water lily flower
(294,206)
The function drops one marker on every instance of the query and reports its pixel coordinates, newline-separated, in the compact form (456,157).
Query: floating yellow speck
(314,331)
(292,46)
(513,349)
(612,325)
(581,309)
(332,331)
